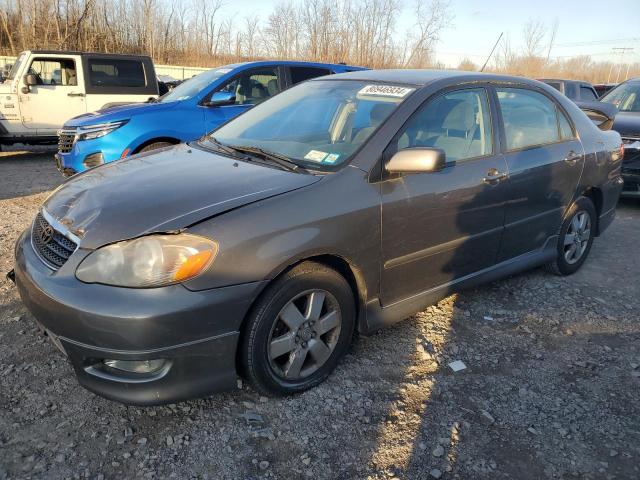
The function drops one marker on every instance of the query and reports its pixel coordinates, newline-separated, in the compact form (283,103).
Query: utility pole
(621,51)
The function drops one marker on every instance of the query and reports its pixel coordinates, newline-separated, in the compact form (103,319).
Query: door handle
(494,176)
(572,158)
(73,94)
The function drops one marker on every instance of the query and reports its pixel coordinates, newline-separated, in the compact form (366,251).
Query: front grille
(66,138)
(51,245)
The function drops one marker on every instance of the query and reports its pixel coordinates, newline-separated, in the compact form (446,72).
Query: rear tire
(298,331)
(155,146)
(575,238)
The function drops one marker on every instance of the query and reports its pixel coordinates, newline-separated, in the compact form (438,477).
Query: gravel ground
(551,388)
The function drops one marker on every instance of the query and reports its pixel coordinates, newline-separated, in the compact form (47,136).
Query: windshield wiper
(221,146)
(276,158)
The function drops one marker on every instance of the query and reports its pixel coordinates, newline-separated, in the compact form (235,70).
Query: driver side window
(253,87)
(457,122)
(54,71)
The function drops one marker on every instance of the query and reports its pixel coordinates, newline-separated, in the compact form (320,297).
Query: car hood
(119,112)
(161,191)
(627,124)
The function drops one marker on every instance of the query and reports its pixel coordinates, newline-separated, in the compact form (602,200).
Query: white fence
(176,71)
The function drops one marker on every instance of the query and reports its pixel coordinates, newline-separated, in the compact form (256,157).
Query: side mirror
(417,160)
(30,79)
(221,98)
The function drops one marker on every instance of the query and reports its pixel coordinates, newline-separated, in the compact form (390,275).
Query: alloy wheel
(576,239)
(304,335)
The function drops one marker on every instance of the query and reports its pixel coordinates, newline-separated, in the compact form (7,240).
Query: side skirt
(378,317)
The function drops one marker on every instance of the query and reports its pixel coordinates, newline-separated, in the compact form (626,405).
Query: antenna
(492,50)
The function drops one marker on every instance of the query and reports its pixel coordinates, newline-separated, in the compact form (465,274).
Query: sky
(585,27)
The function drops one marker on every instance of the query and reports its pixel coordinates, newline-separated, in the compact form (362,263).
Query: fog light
(136,366)
(93,160)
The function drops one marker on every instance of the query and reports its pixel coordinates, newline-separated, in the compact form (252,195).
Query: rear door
(118,80)
(545,161)
(57,97)
(440,226)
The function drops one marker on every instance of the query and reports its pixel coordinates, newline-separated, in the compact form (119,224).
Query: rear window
(530,119)
(587,94)
(571,90)
(555,85)
(300,74)
(116,73)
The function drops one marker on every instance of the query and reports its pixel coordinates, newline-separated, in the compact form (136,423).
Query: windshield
(16,67)
(194,85)
(318,123)
(625,96)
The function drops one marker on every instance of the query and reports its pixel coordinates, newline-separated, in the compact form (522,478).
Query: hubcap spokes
(304,334)
(577,237)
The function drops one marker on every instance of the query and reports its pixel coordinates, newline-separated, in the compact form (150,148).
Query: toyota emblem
(47,235)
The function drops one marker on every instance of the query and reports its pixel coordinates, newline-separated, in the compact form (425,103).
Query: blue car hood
(120,112)
(163,190)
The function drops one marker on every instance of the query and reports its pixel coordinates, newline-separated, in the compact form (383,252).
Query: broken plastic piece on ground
(457,365)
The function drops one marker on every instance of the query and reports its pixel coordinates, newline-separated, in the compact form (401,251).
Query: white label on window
(385,91)
(315,155)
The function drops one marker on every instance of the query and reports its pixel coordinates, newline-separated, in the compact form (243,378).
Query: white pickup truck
(46,88)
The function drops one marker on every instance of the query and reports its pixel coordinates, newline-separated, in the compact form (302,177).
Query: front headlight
(96,131)
(150,261)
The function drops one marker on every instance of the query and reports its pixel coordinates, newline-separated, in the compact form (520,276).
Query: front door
(440,226)
(545,161)
(56,98)
(250,88)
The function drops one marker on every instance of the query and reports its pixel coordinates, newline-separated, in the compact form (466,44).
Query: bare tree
(533,33)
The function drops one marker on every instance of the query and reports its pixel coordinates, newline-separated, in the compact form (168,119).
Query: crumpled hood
(627,124)
(120,112)
(161,191)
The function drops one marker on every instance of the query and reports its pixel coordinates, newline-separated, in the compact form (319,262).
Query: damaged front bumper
(136,346)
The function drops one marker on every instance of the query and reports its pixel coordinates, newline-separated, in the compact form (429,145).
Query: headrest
(379,112)
(460,117)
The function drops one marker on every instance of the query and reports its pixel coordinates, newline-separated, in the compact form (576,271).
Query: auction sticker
(385,91)
(315,155)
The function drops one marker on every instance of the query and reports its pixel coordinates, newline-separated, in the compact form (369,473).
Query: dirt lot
(551,389)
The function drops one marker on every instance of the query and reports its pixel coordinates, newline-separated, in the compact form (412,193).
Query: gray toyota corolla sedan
(342,205)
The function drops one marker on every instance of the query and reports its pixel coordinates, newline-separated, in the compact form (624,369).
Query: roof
(424,77)
(69,52)
(258,63)
(566,80)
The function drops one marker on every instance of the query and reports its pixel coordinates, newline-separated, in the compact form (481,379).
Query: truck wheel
(575,238)
(155,146)
(298,331)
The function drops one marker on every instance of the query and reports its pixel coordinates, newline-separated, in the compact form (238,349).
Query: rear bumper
(193,333)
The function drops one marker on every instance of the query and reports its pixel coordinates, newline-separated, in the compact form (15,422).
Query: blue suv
(187,112)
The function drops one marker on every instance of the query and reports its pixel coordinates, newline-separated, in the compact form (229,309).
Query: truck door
(58,96)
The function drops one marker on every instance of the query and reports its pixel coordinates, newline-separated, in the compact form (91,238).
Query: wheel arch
(148,142)
(596,196)
(344,267)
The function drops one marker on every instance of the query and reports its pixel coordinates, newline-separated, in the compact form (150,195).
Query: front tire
(575,238)
(298,331)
